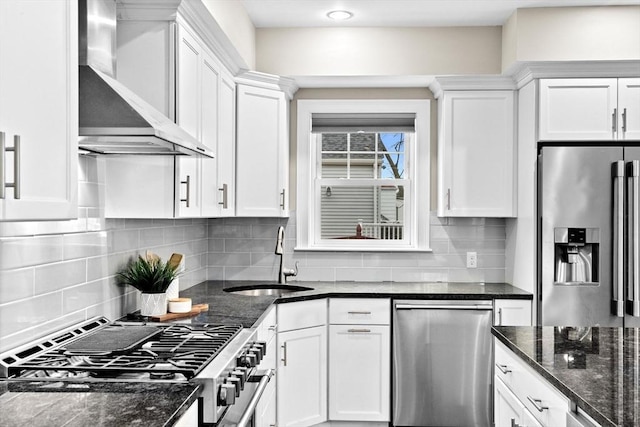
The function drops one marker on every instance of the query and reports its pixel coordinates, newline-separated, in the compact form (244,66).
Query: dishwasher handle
(486,307)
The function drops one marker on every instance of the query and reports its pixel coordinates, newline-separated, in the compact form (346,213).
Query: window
(363,175)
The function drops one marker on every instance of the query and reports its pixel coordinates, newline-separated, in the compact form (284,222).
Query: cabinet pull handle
(614,121)
(448,199)
(224,196)
(537,403)
(282,193)
(500,316)
(624,121)
(273,327)
(16,166)
(187,182)
(514,423)
(358,312)
(503,368)
(284,354)
(356,331)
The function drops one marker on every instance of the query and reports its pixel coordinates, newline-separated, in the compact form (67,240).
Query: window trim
(306,224)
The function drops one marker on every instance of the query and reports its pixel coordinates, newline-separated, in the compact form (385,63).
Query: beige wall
(357,93)
(378,51)
(572,34)
(235,22)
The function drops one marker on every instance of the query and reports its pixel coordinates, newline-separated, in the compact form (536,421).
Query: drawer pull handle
(537,403)
(358,330)
(284,354)
(358,312)
(273,327)
(503,368)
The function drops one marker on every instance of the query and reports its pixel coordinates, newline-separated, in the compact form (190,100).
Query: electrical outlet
(472,260)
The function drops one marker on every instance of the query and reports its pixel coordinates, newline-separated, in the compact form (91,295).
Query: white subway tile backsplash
(16,285)
(29,313)
(363,274)
(54,277)
(29,251)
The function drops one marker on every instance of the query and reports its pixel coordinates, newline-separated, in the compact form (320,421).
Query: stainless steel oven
(224,359)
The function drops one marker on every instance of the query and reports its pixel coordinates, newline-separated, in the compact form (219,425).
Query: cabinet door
(188,60)
(262,162)
(302,377)
(476,164)
(226,154)
(39,103)
(578,109)
(629,109)
(507,408)
(209,96)
(359,372)
(516,312)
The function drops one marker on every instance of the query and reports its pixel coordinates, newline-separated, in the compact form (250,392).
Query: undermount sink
(263,289)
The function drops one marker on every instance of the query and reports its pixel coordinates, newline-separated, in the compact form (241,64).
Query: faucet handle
(290,271)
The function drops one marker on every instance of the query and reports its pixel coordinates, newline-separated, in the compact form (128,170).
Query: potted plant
(151,276)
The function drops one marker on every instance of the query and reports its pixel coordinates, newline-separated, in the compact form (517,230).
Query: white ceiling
(392,13)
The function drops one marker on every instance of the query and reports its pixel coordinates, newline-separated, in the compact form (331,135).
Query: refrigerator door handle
(633,279)
(618,238)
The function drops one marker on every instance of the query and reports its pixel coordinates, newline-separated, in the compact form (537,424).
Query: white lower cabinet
(359,359)
(302,363)
(189,418)
(512,312)
(530,396)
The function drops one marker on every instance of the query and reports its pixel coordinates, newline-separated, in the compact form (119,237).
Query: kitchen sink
(274,289)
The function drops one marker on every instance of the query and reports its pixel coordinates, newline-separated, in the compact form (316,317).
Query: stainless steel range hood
(113,119)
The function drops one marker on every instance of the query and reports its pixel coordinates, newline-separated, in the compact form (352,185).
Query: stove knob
(243,370)
(227,394)
(250,360)
(241,376)
(263,345)
(236,383)
(257,352)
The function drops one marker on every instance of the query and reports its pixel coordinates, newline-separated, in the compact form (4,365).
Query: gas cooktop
(101,350)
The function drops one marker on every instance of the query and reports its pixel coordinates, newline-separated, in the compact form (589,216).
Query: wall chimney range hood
(113,119)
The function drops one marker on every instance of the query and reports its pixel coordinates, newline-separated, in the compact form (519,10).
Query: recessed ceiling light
(339,15)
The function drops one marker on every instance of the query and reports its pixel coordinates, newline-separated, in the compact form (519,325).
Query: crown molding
(334,82)
(268,81)
(481,82)
(524,72)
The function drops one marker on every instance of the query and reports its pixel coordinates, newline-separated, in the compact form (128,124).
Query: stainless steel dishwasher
(442,363)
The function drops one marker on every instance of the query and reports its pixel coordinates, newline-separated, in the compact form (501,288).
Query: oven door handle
(245,419)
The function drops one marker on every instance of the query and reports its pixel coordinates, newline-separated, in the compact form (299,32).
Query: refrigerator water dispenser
(576,256)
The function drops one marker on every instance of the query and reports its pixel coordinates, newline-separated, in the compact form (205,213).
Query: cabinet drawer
(358,311)
(303,314)
(548,405)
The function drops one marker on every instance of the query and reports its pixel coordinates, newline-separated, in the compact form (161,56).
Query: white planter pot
(153,304)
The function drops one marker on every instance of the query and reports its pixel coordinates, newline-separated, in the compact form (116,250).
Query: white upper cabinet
(170,66)
(589,109)
(262,152)
(476,154)
(39,109)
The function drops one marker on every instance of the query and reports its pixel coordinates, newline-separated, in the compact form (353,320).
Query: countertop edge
(186,404)
(566,391)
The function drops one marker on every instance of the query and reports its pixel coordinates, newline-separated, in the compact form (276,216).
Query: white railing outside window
(382,230)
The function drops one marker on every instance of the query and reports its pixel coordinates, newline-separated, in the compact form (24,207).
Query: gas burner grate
(180,350)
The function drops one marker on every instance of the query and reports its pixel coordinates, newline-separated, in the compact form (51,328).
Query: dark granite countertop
(225,307)
(161,404)
(52,404)
(599,372)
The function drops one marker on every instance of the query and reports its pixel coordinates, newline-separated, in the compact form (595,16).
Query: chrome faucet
(284,272)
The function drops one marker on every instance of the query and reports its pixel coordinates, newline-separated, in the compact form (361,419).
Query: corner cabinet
(302,364)
(599,109)
(39,109)
(476,153)
(262,152)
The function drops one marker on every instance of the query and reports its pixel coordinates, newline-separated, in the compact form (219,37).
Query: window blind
(363,122)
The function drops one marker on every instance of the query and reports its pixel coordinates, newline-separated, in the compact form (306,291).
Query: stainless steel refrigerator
(588,236)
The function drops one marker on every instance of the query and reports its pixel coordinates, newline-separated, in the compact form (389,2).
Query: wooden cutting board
(195,310)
